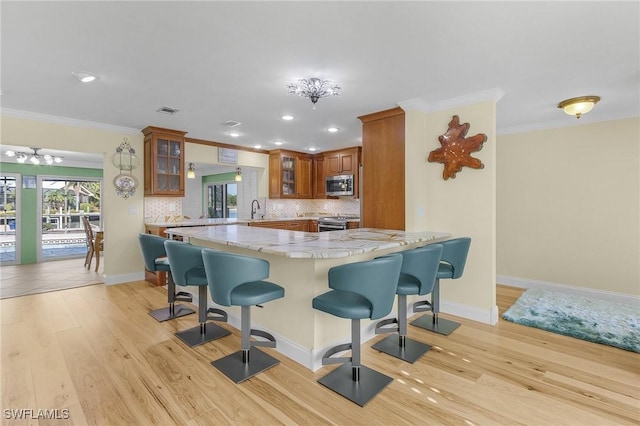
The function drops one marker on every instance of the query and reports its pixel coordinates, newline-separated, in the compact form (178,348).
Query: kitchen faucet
(254,210)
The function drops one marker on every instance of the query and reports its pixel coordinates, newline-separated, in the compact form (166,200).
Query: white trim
(486,316)
(486,95)
(123,278)
(627,299)
(559,123)
(15,113)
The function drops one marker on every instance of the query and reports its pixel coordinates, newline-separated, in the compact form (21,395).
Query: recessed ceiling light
(84,77)
(287,117)
(312,149)
(234,134)
(332,129)
(257,146)
(278,143)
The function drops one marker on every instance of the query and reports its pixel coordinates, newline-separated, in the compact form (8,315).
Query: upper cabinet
(290,175)
(163,162)
(343,162)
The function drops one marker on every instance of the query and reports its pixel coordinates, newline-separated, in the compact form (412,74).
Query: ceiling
(220,61)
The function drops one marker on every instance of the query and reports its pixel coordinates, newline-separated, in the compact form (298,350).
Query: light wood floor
(95,351)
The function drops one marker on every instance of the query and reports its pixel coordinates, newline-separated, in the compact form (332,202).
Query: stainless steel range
(332,223)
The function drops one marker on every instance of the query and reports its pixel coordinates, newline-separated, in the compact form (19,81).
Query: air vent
(167,110)
(231,123)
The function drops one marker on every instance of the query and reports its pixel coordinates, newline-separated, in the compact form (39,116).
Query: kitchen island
(299,261)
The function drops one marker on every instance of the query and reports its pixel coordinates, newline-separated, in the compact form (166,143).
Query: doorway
(10,184)
(222,200)
(63,202)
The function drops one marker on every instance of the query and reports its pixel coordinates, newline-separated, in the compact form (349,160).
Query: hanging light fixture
(33,157)
(314,89)
(578,106)
(191,172)
(238,174)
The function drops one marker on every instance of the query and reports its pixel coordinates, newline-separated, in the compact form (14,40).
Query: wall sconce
(191,173)
(579,106)
(238,175)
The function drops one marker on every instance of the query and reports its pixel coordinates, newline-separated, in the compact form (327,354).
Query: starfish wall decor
(456,149)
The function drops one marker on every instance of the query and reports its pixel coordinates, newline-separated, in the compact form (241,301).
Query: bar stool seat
(155,259)
(187,269)
(236,280)
(360,290)
(417,277)
(454,258)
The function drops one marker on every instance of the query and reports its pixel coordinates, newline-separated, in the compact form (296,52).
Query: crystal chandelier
(314,89)
(34,157)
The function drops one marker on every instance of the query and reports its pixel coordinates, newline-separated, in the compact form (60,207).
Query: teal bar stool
(155,259)
(236,280)
(454,258)
(417,277)
(360,290)
(187,269)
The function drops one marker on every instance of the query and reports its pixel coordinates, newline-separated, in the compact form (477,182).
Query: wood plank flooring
(95,352)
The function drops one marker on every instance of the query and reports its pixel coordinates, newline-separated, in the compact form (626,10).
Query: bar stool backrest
(422,264)
(152,248)
(376,280)
(226,271)
(183,257)
(455,253)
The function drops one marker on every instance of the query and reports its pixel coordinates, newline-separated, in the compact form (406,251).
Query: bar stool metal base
(411,351)
(439,325)
(238,371)
(165,314)
(194,337)
(370,384)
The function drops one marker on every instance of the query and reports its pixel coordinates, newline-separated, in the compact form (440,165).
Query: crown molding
(15,113)
(473,98)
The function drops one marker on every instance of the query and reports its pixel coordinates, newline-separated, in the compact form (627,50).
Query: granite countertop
(320,245)
(212,222)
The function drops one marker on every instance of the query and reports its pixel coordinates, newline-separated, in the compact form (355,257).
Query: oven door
(325,226)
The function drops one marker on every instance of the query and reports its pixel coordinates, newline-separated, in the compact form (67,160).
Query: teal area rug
(599,321)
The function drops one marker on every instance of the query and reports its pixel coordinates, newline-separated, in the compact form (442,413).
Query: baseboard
(124,278)
(486,316)
(569,289)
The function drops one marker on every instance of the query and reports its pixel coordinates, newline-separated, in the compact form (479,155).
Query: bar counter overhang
(300,261)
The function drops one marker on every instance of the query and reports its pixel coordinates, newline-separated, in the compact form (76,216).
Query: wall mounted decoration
(456,149)
(125,159)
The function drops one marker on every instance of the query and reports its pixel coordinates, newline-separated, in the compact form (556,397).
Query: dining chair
(95,243)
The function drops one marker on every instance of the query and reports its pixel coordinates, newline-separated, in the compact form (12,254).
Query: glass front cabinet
(163,162)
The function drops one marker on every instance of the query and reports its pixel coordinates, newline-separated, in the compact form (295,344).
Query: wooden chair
(95,244)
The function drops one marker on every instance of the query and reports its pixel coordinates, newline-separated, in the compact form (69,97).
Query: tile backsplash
(155,207)
(299,207)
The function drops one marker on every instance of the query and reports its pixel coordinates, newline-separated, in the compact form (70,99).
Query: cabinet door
(303,177)
(319,187)
(275,176)
(347,164)
(163,162)
(332,165)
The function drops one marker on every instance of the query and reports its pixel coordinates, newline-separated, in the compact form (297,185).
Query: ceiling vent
(167,110)
(231,123)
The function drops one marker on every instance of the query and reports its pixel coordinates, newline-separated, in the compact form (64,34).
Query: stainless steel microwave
(339,185)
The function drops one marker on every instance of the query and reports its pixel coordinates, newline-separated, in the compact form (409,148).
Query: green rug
(599,321)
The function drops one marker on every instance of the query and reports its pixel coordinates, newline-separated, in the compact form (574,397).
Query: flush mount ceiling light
(191,172)
(314,89)
(579,106)
(238,177)
(84,77)
(34,157)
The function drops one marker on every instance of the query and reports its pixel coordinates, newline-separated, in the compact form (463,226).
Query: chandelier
(314,89)
(34,157)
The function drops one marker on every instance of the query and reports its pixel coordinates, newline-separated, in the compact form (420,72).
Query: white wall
(464,206)
(569,206)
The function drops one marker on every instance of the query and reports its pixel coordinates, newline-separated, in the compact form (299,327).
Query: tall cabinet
(163,162)
(383,170)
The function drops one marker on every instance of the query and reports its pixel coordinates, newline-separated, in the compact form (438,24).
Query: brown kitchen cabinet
(383,170)
(343,162)
(290,225)
(319,188)
(163,162)
(353,224)
(290,175)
